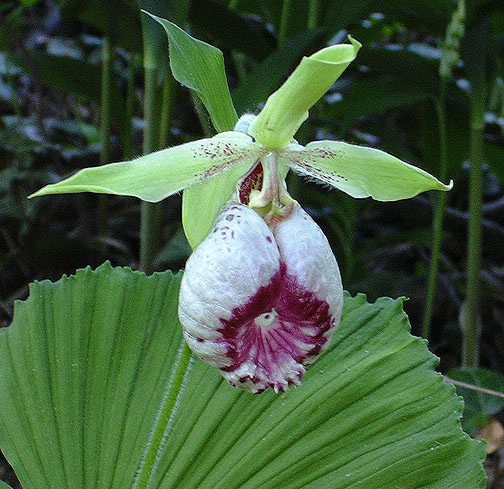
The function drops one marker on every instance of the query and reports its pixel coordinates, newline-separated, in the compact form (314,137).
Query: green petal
(287,108)
(359,171)
(198,219)
(157,175)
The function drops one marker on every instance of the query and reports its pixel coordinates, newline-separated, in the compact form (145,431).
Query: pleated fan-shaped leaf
(83,368)
(88,360)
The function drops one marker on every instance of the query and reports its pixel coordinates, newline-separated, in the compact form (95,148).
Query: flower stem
(165,414)
(439,209)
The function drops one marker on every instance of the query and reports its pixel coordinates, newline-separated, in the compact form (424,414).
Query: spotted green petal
(359,171)
(198,219)
(157,175)
(287,108)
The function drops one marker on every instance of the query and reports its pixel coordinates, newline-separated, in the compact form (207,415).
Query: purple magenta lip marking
(281,323)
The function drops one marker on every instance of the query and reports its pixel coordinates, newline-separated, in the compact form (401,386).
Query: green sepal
(287,108)
(155,176)
(358,171)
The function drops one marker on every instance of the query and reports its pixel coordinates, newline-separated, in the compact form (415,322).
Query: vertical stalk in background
(127,142)
(169,91)
(437,222)
(313,14)
(475,61)
(449,59)
(150,214)
(105,117)
(284,22)
(471,314)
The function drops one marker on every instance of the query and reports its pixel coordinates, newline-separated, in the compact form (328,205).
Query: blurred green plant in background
(78,86)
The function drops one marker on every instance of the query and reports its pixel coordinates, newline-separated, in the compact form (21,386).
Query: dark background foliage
(50,97)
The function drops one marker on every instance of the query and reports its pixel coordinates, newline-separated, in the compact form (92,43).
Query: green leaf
(88,360)
(287,108)
(402,63)
(478,406)
(119,19)
(154,39)
(3,485)
(494,156)
(244,33)
(83,369)
(158,175)
(374,96)
(74,76)
(341,15)
(200,67)
(359,171)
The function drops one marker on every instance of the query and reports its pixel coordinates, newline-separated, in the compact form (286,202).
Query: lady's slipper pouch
(259,302)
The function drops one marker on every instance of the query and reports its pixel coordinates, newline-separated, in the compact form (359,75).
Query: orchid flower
(262,294)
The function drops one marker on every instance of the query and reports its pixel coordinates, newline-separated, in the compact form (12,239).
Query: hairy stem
(155,444)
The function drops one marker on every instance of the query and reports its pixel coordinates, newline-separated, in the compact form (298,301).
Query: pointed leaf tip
(287,108)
